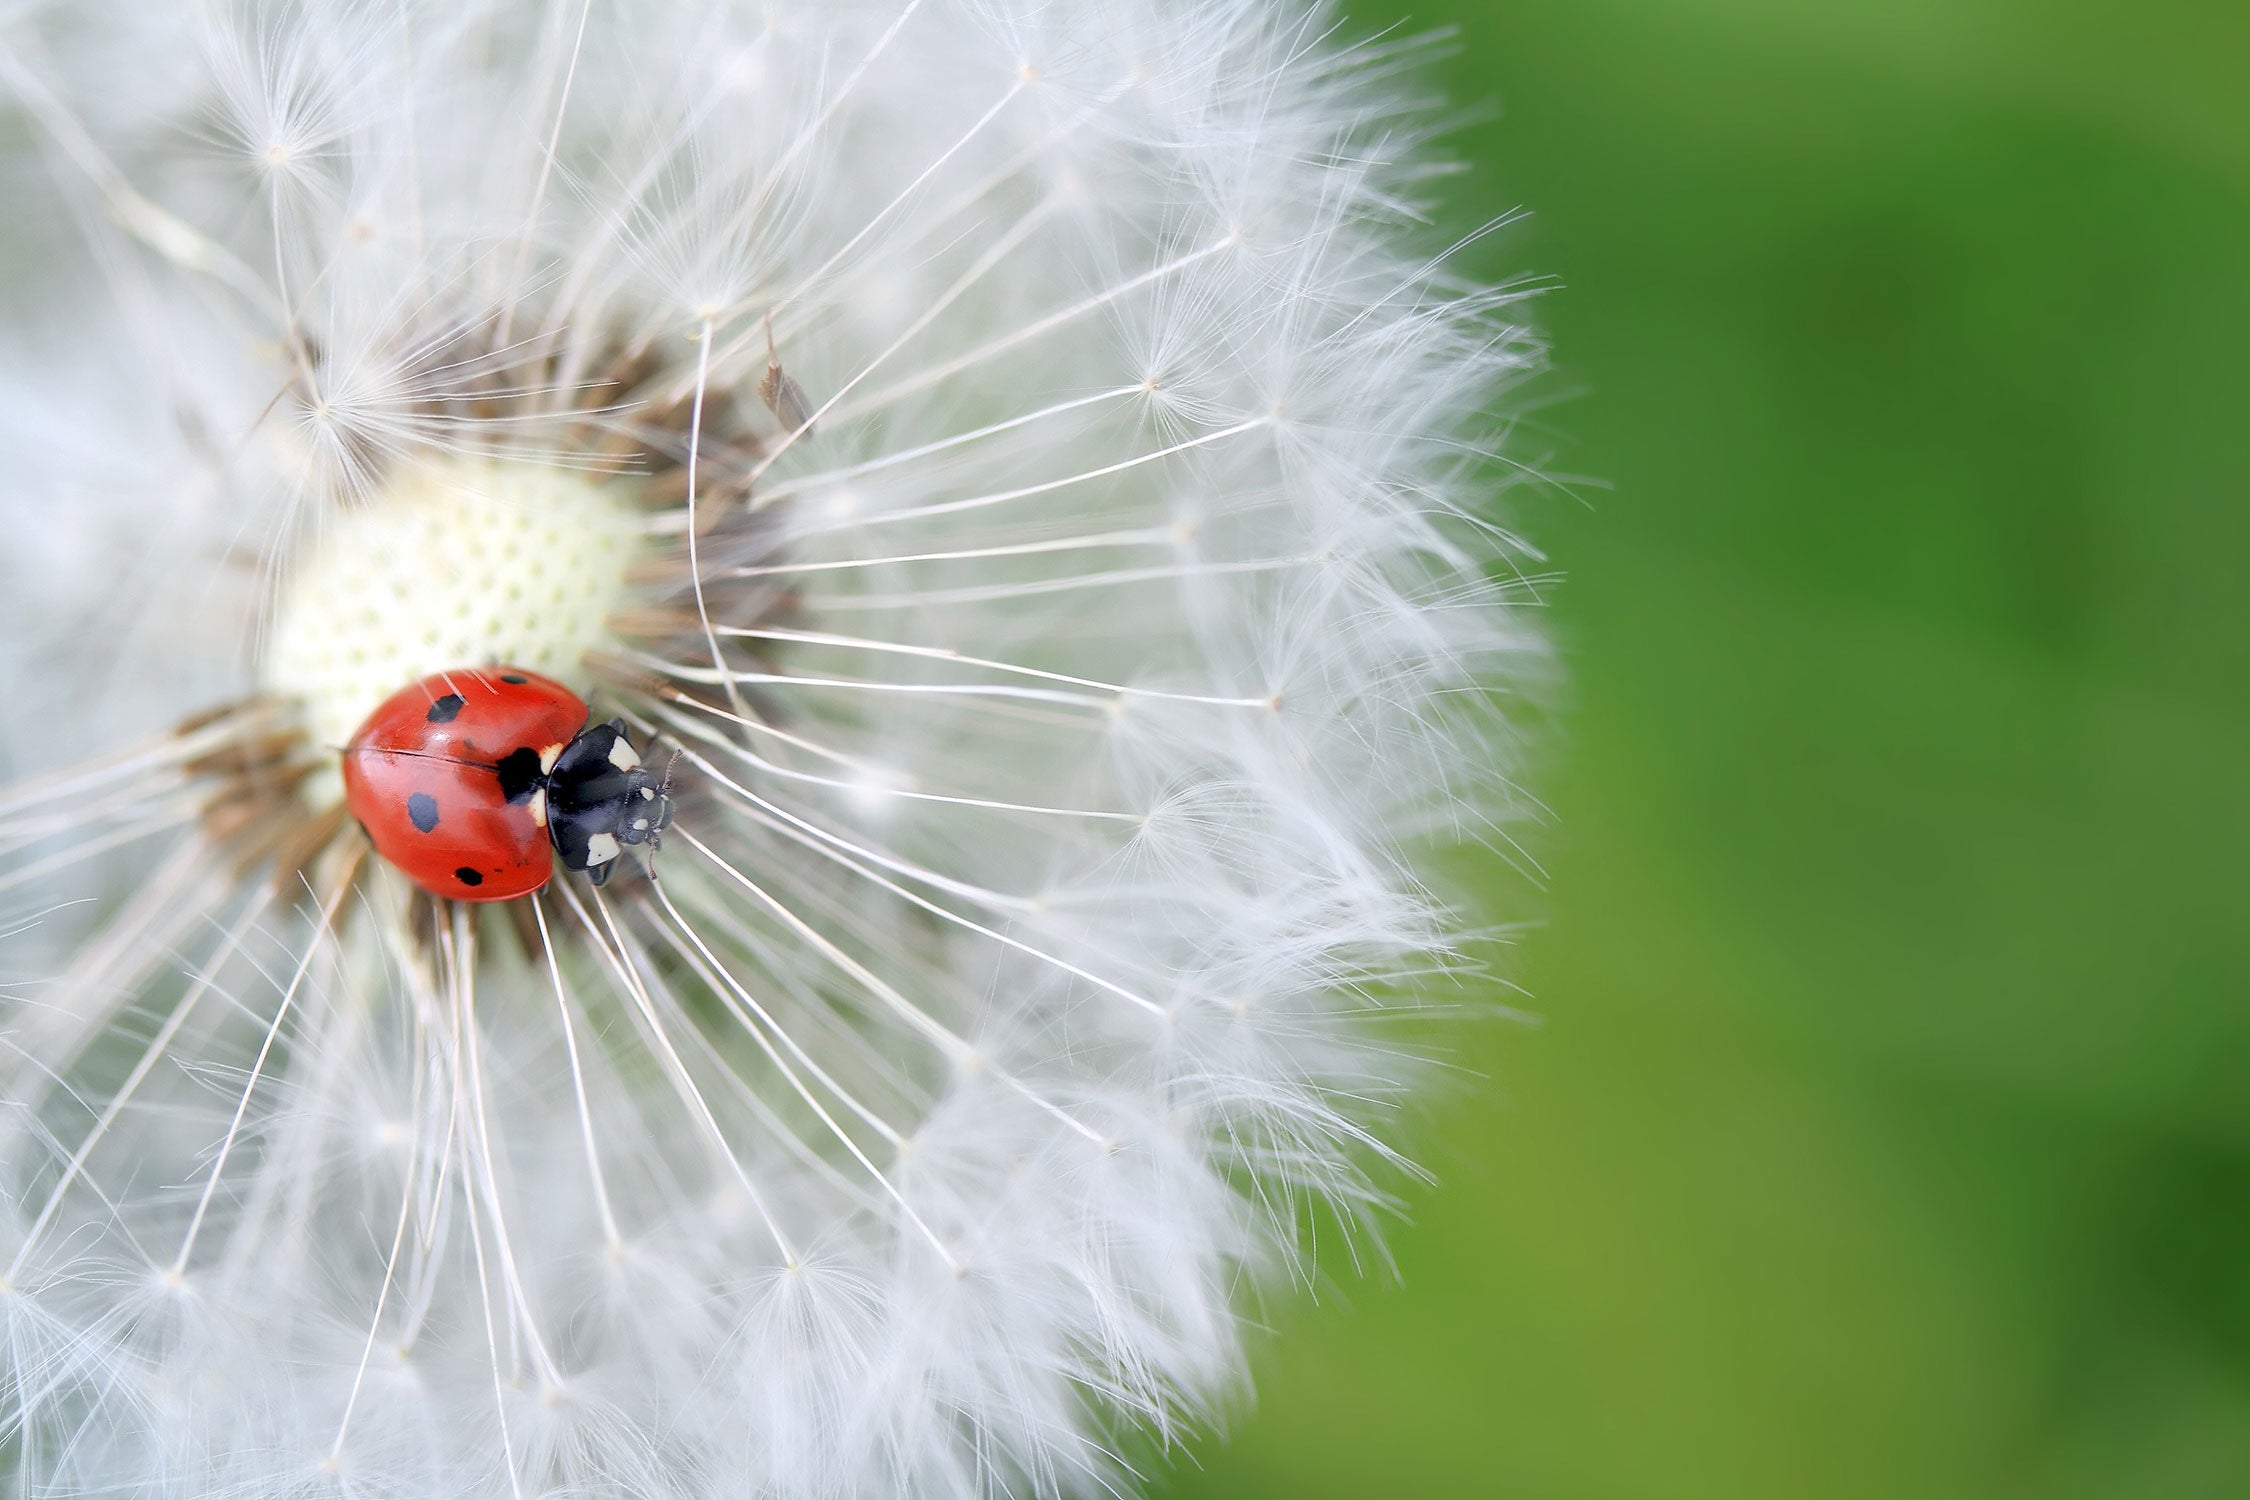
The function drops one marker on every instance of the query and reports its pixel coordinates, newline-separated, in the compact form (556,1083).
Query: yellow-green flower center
(453,563)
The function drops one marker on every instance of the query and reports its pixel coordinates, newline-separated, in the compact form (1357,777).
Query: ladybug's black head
(599,800)
(648,807)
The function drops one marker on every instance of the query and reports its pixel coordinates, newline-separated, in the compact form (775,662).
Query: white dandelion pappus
(1020,457)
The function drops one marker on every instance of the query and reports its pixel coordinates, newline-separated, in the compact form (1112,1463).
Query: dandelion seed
(783,396)
(1058,661)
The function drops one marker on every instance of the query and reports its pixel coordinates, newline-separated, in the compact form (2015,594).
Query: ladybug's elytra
(471,782)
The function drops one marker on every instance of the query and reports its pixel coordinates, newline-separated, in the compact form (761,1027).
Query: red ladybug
(473,781)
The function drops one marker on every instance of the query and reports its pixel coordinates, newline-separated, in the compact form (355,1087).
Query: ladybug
(473,782)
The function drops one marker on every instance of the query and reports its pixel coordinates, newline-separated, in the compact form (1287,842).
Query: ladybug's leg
(664,799)
(663,817)
(599,874)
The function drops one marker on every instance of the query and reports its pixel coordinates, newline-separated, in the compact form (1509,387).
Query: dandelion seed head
(1029,466)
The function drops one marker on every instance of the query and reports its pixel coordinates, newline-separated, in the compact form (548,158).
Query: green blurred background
(1888,1133)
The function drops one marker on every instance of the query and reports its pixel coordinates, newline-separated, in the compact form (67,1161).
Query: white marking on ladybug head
(549,756)
(648,794)
(601,849)
(623,756)
(539,807)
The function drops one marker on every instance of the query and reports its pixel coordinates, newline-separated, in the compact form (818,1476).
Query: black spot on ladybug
(444,710)
(520,774)
(468,876)
(422,808)
(514,678)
